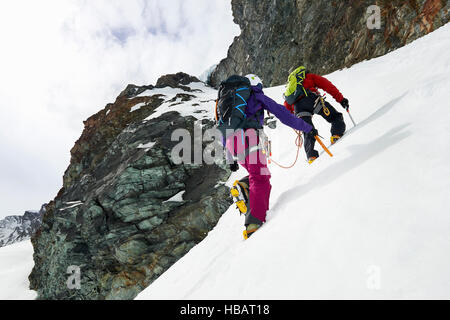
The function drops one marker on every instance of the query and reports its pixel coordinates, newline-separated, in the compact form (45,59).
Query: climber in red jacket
(302,98)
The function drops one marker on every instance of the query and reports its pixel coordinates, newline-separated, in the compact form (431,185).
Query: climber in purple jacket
(252,156)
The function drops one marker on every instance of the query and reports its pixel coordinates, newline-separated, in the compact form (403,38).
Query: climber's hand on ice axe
(313,132)
(344,104)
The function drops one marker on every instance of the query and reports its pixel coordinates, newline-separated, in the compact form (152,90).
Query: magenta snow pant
(255,162)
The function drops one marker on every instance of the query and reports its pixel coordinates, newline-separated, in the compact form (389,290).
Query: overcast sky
(63,60)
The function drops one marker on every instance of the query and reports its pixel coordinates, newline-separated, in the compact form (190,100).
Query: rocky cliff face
(126,211)
(19,228)
(323,35)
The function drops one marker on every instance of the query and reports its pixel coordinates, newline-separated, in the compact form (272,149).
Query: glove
(313,132)
(344,104)
(234,166)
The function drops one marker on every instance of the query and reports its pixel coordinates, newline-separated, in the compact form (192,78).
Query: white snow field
(370,223)
(16,262)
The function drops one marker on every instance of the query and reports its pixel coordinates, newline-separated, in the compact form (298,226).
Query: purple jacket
(258,100)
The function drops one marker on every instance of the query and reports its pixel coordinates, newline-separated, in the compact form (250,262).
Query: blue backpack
(231,105)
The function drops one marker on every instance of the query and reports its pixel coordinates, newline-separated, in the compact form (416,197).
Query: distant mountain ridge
(15,229)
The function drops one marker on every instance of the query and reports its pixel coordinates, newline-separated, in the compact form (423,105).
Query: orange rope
(299,144)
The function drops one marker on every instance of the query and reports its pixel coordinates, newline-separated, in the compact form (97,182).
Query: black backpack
(231,105)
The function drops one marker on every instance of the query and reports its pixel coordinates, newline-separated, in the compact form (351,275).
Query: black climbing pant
(306,108)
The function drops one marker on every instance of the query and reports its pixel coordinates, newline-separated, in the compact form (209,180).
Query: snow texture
(137,107)
(199,106)
(16,263)
(369,223)
(177,198)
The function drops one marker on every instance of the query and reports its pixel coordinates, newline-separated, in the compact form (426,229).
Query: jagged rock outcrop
(323,35)
(19,228)
(126,211)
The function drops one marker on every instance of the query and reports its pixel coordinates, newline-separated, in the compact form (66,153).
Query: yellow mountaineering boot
(239,192)
(334,139)
(311,159)
(251,228)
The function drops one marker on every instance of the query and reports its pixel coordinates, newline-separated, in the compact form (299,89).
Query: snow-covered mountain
(14,229)
(129,208)
(370,223)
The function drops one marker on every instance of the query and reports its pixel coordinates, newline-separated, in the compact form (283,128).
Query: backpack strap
(244,102)
(215,111)
(304,114)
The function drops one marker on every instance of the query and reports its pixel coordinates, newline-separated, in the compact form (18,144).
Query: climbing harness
(319,104)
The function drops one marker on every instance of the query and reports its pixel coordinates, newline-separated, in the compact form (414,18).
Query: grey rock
(112,218)
(324,36)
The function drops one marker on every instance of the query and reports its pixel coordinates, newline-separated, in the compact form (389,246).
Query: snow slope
(16,262)
(369,223)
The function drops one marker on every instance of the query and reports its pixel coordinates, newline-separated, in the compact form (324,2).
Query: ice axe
(323,146)
(351,118)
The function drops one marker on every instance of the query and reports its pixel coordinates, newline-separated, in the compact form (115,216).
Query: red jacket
(313,82)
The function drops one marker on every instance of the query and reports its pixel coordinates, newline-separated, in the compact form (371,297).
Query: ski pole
(323,146)
(351,118)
